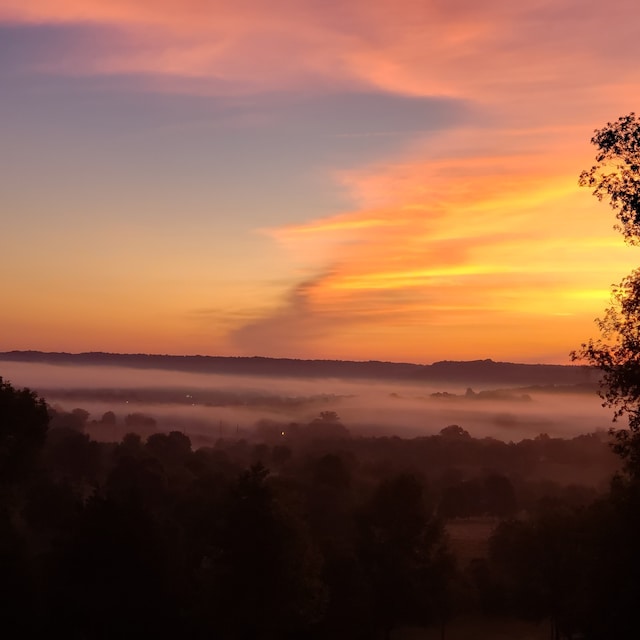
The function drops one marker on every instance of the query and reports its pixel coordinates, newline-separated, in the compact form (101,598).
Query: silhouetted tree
(328,425)
(499,497)
(131,445)
(108,418)
(71,455)
(404,556)
(17,604)
(112,577)
(24,421)
(172,449)
(542,563)
(280,455)
(76,419)
(617,352)
(262,571)
(137,482)
(617,355)
(454,431)
(617,174)
(611,587)
(462,500)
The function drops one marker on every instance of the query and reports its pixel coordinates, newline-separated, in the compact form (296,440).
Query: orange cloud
(472,243)
(466,256)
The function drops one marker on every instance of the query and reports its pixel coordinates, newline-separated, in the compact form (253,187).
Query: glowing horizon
(370,181)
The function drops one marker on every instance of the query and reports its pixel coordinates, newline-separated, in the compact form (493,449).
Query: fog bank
(211,405)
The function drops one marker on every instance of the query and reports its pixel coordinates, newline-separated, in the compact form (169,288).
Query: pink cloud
(464,256)
(490,51)
(463,241)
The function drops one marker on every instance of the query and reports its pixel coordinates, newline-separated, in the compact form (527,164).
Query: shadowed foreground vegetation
(305,532)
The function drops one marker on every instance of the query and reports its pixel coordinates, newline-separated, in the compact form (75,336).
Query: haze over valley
(481,396)
(311,327)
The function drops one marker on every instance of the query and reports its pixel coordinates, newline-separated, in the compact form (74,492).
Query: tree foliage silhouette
(403,548)
(24,421)
(617,352)
(617,174)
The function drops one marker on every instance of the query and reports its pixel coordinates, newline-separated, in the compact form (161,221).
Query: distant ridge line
(446,370)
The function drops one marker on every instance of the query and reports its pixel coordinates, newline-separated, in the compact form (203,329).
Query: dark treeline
(488,371)
(304,532)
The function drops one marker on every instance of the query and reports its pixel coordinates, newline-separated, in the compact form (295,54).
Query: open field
(469,537)
(480,629)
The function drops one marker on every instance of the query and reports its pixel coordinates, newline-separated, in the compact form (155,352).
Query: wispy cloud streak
(470,241)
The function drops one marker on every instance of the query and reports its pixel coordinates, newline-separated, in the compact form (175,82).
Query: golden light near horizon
(313,181)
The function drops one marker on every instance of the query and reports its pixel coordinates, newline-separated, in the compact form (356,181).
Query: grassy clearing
(469,538)
(480,629)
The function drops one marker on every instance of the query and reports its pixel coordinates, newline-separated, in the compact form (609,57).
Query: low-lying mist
(208,406)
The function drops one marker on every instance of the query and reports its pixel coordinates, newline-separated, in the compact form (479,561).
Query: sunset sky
(363,179)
